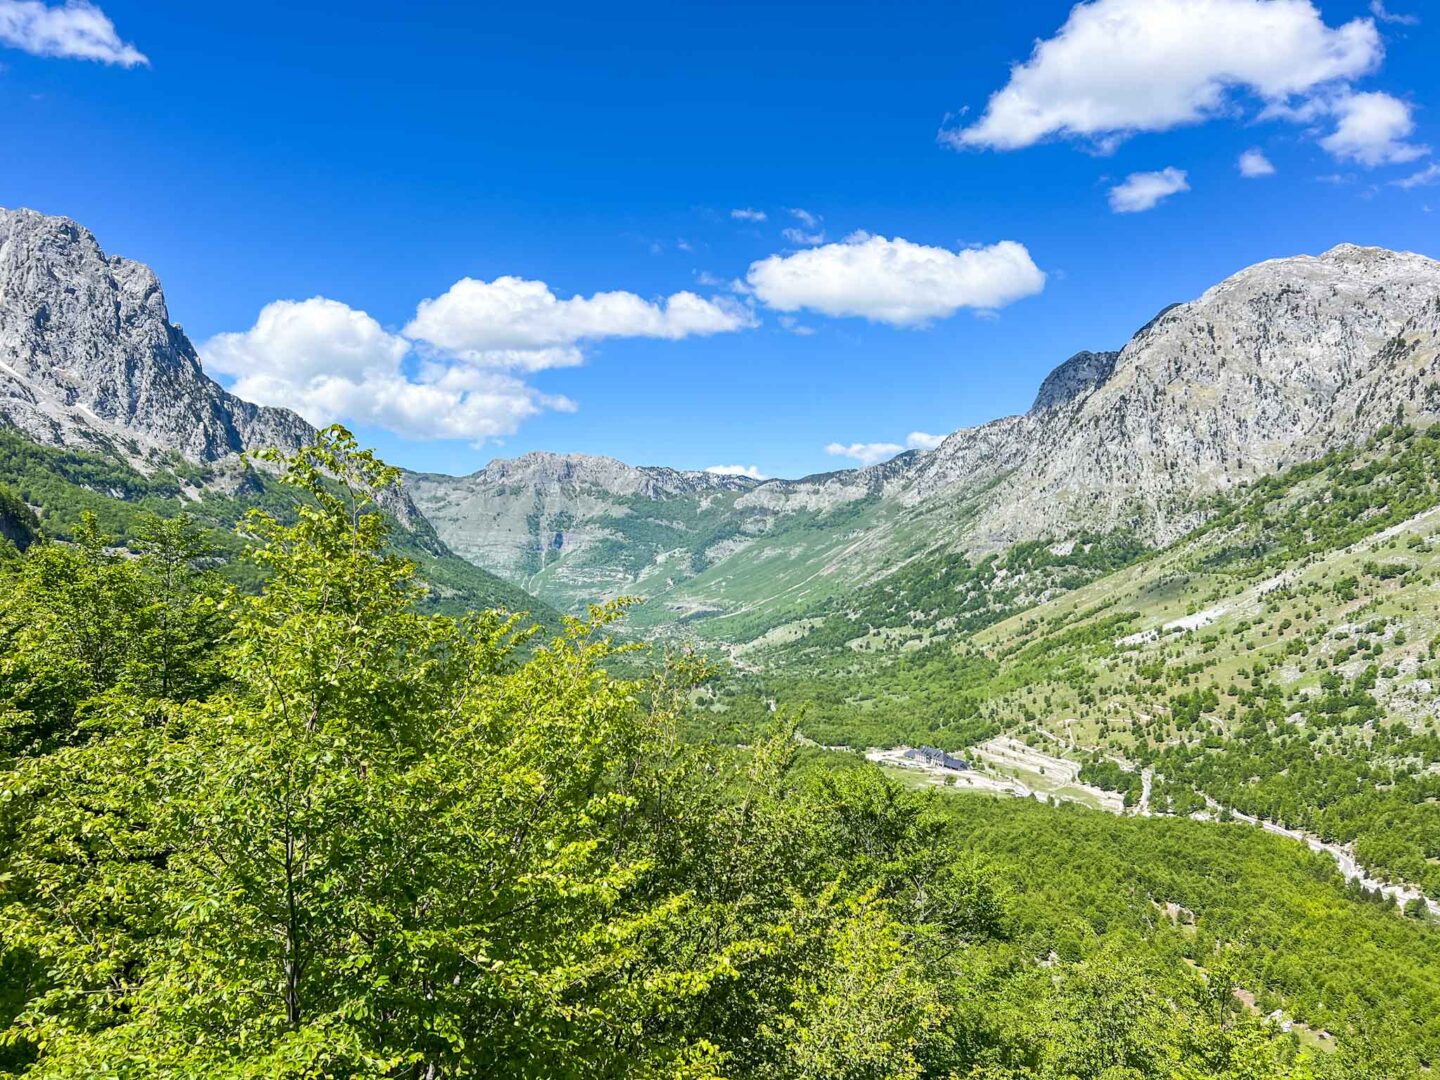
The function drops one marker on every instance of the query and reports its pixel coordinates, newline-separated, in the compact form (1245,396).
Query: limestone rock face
(89,358)
(547,472)
(1279,364)
(1080,374)
(578,528)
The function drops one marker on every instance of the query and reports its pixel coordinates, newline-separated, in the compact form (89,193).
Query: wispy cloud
(76,30)
(1424,178)
(1145,190)
(808,232)
(865,453)
(1378,9)
(748,214)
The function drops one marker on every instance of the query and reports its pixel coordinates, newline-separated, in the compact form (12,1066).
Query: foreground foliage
(315,831)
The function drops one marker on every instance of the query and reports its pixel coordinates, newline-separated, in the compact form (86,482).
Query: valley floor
(1006,766)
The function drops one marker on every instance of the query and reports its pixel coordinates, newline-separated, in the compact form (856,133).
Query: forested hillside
(314,830)
(1280,662)
(56,488)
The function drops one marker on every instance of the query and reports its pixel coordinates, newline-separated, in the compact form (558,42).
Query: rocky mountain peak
(1361,253)
(1081,373)
(89,357)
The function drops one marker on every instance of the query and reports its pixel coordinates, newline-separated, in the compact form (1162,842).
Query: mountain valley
(1188,601)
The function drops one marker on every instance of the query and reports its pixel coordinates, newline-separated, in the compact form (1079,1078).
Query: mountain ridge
(1279,363)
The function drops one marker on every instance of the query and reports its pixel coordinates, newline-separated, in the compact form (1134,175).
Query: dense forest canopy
(314,828)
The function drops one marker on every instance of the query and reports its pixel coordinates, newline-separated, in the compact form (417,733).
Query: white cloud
(1426,176)
(1377,8)
(866,453)
(748,214)
(1118,67)
(75,30)
(870,453)
(513,313)
(457,370)
(752,471)
(801,238)
(330,362)
(808,233)
(1253,163)
(304,339)
(1145,190)
(895,281)
(1371,129)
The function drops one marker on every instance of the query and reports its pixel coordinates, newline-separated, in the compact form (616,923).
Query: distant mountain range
(1276,365)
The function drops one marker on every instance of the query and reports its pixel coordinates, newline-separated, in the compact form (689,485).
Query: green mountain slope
(62,484)
(1283,661)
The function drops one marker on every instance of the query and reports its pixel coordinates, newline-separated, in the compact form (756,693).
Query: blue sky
(263,156)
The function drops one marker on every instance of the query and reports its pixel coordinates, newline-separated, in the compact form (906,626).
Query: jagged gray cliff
(1079,375)
(1275,365)
(89,358)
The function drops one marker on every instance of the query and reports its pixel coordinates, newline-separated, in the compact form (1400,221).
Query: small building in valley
(934,758)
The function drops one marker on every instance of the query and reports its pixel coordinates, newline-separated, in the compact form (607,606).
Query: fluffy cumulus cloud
(76,30)
(510,313)
(330,362)
(919,440)
(306,339)
(1143,191)
(752,471)
(867,453)
(457,370)
(1254,164)
(1118,67)
(895,281)
(1372,129)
